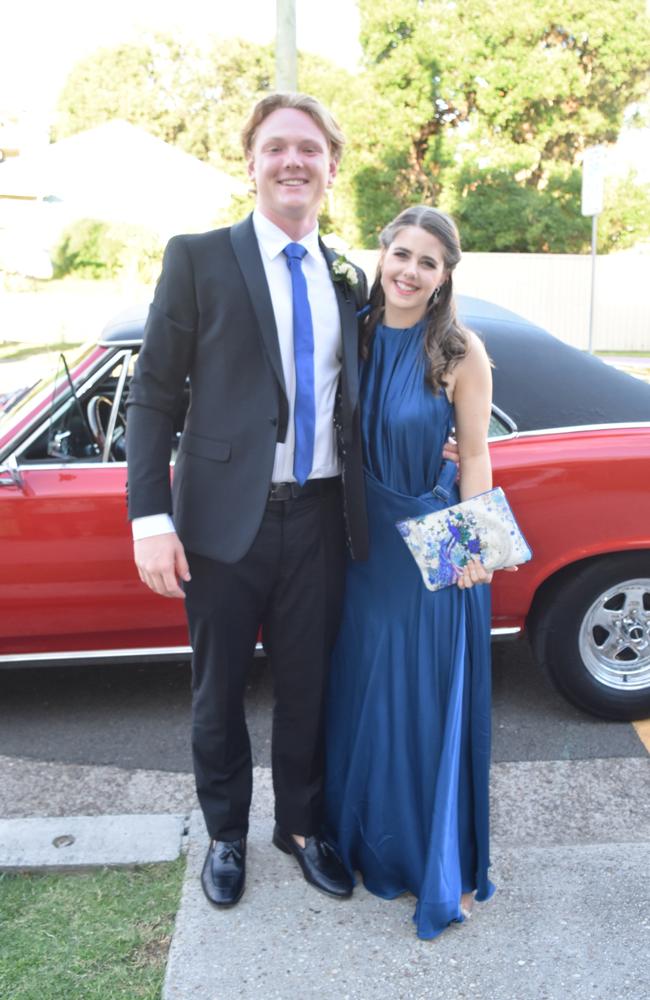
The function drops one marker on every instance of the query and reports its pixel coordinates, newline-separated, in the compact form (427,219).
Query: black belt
(292,491)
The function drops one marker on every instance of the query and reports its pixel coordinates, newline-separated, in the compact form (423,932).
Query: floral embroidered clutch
(445,540)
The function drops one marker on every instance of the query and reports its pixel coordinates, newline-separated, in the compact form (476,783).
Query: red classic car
(570,444)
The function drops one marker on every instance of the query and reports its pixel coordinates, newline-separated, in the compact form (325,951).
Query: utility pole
(286,59)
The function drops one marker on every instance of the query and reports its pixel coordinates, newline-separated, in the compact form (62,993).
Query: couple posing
(309,428)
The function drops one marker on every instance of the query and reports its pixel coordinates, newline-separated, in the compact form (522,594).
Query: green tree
(496,213)
(626,217)
(155,84)
(198,99)
(474,95)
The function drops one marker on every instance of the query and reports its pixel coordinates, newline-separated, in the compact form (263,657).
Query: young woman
(408,733)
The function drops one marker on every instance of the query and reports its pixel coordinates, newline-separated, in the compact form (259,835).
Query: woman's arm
(472,396)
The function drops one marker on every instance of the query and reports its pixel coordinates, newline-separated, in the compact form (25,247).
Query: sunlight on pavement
(643,732)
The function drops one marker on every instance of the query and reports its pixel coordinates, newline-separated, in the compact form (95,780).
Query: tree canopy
(486,111)
(472,106)
(195,98)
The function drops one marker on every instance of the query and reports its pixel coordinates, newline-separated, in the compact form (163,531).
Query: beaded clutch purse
(445,540)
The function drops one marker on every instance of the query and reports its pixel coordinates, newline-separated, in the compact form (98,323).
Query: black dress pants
(291,582)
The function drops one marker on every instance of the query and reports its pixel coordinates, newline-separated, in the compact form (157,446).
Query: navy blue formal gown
(408,722)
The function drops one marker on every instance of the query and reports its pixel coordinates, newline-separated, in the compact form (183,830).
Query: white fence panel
(552,290)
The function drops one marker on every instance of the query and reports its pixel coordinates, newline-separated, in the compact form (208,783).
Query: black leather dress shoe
(320,864)
(224,872)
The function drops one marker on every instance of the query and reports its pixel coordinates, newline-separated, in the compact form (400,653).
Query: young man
(268,337)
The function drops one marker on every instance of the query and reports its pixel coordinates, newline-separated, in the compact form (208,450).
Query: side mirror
(10,474)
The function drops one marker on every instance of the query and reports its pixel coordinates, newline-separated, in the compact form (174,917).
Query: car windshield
(47,389)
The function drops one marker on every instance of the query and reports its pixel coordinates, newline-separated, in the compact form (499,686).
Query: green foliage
(237,208)
(626,217)
(94,249)
(84,248)
(197,99)
(241,73)
(473,106)
(496,213)
(336,88)
(160,85)
(478,96)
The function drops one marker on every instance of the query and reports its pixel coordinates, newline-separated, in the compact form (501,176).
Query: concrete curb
(46,844)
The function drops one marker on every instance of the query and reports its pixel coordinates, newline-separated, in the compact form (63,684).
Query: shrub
(94,249)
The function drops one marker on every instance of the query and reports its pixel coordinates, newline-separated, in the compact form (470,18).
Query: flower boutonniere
(344,272)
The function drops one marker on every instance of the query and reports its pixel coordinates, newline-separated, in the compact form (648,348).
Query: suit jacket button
(273,421)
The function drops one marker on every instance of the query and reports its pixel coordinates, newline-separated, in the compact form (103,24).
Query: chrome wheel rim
(614,637)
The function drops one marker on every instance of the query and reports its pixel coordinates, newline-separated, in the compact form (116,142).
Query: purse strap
(446,479)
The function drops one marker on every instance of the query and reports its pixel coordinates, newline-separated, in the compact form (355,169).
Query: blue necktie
(304,416)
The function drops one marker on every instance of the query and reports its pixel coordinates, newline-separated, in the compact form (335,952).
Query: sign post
(593,185)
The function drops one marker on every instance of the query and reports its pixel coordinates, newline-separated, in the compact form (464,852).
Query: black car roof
(539,381)
(126,328)
(542,382)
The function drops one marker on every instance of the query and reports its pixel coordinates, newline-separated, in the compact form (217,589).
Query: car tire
(590,629)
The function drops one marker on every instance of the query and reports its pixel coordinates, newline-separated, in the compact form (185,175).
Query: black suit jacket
(212,319)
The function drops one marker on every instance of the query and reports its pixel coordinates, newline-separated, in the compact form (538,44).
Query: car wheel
(591,631)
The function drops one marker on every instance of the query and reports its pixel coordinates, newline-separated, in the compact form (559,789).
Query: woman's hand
(450,451)
(474,572)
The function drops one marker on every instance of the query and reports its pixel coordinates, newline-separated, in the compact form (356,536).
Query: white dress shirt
(327,356)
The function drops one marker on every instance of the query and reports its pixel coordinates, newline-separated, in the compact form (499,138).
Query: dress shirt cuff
(153,524)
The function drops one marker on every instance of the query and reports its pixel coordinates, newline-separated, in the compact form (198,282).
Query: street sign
(593,180)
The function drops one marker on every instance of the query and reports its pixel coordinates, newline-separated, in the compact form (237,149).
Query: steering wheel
(98,412)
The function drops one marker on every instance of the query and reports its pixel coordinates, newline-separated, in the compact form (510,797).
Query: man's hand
(450,451)
(161,561)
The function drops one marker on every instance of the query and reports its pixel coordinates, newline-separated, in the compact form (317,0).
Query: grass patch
(14,351)
(641,371)
(102,935)
(622,354)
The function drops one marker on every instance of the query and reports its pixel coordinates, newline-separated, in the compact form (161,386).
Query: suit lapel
(247,252)
(349,331)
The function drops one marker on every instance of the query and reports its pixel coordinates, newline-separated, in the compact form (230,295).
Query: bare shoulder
(473,369)
(476,357)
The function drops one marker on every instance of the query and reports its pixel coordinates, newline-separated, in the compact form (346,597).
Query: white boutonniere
(344,271)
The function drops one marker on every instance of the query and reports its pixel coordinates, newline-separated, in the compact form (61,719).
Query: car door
(69,584)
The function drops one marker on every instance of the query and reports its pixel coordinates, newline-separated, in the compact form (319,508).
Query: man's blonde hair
(300,102)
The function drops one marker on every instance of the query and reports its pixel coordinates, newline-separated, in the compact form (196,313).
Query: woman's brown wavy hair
(446,340)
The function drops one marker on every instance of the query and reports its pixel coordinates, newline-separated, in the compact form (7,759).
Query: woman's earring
(435,296)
